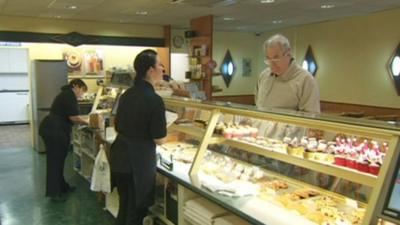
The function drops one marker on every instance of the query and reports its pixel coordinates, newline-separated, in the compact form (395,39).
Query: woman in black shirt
(55,129)
(140,123)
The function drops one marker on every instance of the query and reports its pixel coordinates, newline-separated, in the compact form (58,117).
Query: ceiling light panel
(142,12)
(267,1)
(228,18)
(74,5)
(327,6)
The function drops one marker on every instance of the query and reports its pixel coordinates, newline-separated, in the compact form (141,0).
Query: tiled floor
(15,136)
(22,200)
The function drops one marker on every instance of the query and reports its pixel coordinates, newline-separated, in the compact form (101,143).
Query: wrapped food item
(96,120)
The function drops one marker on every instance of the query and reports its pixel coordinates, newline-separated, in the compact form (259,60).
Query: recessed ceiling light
(277,21)
(71,7)
(229,18)
(141,12)
(175,1)
(267,1)
(57,17)
(327,6)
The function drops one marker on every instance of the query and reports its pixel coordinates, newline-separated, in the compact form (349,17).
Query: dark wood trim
(76,39)
(203,26)
(326,106)
(366,110)
(167,38)
(242,99)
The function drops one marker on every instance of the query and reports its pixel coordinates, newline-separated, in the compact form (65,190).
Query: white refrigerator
(14,98)
(48,76)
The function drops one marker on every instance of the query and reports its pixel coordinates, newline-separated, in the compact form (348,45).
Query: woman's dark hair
(143,62)
(75,82)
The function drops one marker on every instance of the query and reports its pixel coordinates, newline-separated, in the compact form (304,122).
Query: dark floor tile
(22,200)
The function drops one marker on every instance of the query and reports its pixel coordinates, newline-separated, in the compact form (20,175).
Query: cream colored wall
(28,24)
(240,45)
(115,56)
(352,55)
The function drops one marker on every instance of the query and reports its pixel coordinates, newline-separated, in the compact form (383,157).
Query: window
(394,68)
(227,68)
(309,62)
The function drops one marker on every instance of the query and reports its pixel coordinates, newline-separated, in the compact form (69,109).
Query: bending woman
(55,129)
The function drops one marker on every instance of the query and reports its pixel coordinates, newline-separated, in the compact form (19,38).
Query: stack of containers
(230,220)
(202,212)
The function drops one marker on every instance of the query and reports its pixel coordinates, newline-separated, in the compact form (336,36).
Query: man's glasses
(276,59)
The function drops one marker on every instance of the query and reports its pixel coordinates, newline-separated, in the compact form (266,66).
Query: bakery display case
(278,167)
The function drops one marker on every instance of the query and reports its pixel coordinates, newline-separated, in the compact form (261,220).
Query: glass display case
(105,98)
(275,166)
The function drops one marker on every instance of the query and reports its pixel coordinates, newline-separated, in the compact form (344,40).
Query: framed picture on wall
(246,67)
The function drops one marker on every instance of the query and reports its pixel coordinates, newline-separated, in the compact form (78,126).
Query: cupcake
(340,156)
(374,169)
(351,159)
(362,163)
(321,154)
(330,150)
(311,148)
(375,157)
(296,148)
(236,132)
(246,131)
(253,131)
(228,132)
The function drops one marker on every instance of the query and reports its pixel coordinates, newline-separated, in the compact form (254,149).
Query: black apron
(141,159)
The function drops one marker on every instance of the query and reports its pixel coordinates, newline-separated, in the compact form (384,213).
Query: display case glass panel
(305,168)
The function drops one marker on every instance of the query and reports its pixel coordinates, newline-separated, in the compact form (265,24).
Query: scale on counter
(122,78)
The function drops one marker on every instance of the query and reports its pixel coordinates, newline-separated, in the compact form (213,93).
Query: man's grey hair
(277,39)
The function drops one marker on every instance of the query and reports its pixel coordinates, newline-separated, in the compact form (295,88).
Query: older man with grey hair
(285,85)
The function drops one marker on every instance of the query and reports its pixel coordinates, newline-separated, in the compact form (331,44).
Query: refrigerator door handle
(13,91)
(43,109)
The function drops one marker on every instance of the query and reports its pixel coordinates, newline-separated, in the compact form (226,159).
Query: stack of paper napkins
(199,211)
(230,220)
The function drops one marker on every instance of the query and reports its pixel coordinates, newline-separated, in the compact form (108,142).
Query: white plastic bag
(101,173)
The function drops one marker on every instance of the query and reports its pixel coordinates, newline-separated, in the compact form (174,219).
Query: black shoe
(57,199)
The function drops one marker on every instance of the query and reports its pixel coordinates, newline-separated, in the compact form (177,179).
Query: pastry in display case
(229,152)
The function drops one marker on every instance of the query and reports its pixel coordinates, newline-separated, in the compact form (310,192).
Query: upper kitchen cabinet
(4,61)
(13,60)
(18,60)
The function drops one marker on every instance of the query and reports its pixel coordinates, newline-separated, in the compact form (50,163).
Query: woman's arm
(160,141)
(79,120)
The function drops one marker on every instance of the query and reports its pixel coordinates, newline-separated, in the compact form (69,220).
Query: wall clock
(178,41)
